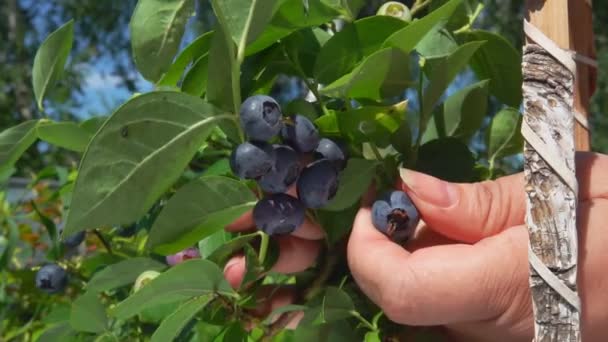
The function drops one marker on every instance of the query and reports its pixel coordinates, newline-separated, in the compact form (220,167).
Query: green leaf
(291,16)
(372,336)
(437,43)
(14,142)
(173,324)
(68,135)
(221,57)
(408,37)
(195,81)
(462,113)
(197,210)
(245,19)
(354,181)
(346,48)
(384,73)
(219,168)
(213,242)
(137,154)
(444,71)
(50,60)
(192,278)
(88,314)
(337,305)
(337,224)
(504,134)
(93,124)
(234,332)
(157,27)
(500,62)
(58,333)
(449,159)
(370,123)
(348,8)
(195,50)
(221,255)
(122,273)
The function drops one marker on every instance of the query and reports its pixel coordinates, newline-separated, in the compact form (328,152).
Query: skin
(466,268)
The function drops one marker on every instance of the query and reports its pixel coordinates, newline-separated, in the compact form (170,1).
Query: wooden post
(552,93)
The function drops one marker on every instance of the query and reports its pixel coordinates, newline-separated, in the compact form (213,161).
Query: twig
(103,240)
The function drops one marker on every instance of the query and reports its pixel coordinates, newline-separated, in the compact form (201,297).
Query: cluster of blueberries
(276,167)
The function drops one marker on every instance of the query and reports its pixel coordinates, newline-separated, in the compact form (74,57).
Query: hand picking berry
(395,215)
(284,171)
(278,214)
(261,117)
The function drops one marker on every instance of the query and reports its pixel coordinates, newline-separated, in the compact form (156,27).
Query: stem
(103,240)
(418,6)
(472,18)
(312,86)
(420,118)
(362,319)
(376,152)
(263,247)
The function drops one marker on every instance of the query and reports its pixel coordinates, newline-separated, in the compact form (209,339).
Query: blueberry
(331,151)
(74,240)
(318,184)
(395,215)
(252,160)
(284,171)
(302,134)
(51,278)
(278,214)
(179,257)
(261,117)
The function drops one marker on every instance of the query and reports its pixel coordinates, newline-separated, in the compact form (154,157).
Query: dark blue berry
(74,240)
(302,134)
(395,215)
(51,278)
(261,117)
(331,151)
(318,184)
(284,171)
(278,214)
(252,160)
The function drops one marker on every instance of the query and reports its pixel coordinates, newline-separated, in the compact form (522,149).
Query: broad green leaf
(335,331)
(219,168)
(173,324)
(50,60)
(88,314)
(384,73)
(157,27)
(354,181)
(244,19)
(462,114)
(213,242)
(221,255)
(59,313)
(107,337)
(61,332)
(408,37)
(437,43)
(337,305)
(448,158)
(234,332)
(370,123)
(68,135)
(328,124)
(346,48)
(192,278)
(219,80)
(444,71)
(291,16)
(348,8)
(504,134)
(498,61)
(93,124)
(372,336)
(337,224)
(137,154)
(302,48)
(206,332)
(197,210)
(98,261)
(195,81)
(122,273)
(14,142)
(195,50)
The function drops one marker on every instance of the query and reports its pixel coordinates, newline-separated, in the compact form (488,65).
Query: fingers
(440,284)
(295,255)
(591,173)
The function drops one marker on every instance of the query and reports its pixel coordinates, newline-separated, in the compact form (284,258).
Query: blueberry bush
(127,243)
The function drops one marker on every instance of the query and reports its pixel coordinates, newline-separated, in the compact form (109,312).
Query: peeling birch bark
(551,203)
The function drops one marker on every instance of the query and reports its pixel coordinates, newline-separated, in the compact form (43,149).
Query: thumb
(467,212)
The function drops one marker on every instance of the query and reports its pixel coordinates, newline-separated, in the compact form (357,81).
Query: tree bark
(551,201)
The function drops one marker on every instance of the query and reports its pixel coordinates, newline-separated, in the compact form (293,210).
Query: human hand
(467,266)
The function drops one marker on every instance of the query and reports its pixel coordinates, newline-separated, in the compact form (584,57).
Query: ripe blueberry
(302,134)
(260,117)
(179,257)
(74,240)
(395,215)
(331,151)
(284,171)
(252,160)
(278,214)
(318,184)
(51,278)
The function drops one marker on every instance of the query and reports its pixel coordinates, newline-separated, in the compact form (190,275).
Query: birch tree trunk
(551,201)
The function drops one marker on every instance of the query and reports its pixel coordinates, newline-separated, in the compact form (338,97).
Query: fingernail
(429,189)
